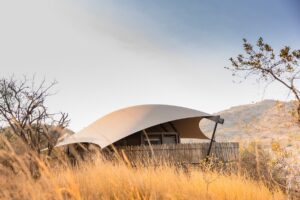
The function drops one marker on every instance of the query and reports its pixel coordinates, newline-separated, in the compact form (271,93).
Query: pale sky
(112,54)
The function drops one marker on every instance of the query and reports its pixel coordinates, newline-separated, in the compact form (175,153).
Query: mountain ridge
(264,121)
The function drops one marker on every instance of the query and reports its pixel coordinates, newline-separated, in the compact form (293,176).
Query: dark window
(170,139)
(131,140)
(157,135)
(161,138)
(153,139)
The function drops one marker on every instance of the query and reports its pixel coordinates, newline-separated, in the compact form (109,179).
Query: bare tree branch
(265,65)
(22,108)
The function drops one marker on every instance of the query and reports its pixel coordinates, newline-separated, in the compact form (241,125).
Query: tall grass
(26,176)
(118,181)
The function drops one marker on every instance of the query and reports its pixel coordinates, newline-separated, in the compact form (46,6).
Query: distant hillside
(8,133)
(266,120)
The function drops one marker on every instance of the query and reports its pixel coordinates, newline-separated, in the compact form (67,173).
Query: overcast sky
(111,54)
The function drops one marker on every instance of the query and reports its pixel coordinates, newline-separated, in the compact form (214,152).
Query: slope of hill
(265,121)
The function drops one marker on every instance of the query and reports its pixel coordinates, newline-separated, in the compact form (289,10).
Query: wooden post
(212,139)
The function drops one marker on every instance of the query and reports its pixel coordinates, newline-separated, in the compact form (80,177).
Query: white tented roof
(124,122)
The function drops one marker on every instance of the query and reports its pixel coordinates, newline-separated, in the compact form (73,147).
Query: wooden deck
(183,153)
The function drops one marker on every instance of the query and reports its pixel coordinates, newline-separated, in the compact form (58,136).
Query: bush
(274,166)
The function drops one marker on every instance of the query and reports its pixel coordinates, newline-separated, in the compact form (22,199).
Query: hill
(265,121)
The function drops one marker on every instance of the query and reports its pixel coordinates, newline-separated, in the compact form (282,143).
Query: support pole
(212,139)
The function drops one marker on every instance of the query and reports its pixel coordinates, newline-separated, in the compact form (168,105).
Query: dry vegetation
(23,175)
(26,172)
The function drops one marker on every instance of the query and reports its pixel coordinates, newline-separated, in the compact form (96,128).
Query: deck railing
(191,153)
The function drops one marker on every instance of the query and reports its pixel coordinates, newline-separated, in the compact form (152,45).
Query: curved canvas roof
(127,121)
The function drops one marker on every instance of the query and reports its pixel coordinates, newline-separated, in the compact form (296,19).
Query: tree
(261,61)
(23,110)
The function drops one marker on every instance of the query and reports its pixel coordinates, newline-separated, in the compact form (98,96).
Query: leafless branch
(22,108)
(260,61)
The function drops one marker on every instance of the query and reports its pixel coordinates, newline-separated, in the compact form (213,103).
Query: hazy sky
(112,54)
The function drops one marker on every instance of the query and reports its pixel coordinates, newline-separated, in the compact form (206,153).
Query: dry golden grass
(24,175)
(100,179)
(104,180)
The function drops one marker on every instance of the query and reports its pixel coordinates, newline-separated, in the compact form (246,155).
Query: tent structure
(125,122)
